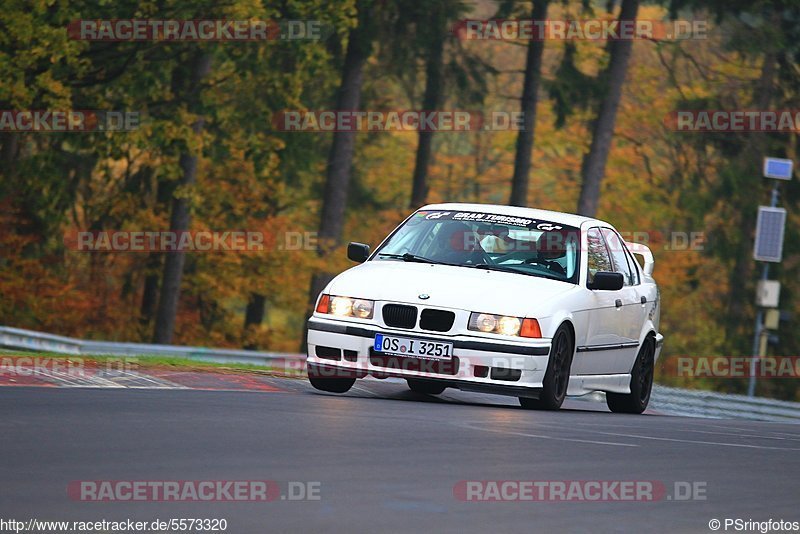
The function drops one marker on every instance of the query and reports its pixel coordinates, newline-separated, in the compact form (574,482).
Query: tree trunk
(594,163)
(431,101)
(525,138)
(8,157)
(150,291)
(180,219)
(340,157)
(253,317)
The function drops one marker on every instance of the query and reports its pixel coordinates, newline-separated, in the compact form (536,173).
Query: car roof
(570,219)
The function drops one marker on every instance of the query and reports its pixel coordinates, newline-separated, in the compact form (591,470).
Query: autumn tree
(340,158)
(530,91)
(613,80)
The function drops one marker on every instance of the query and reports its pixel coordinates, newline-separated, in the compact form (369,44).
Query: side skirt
(583,384)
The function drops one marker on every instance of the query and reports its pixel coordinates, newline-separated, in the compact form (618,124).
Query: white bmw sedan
(507,300)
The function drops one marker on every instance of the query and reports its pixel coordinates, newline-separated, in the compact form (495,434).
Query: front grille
(436,320)
(400,316)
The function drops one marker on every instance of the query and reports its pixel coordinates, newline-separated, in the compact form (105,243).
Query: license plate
(414,348)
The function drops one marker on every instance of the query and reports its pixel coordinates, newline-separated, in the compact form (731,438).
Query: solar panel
(769,234)
(778,168)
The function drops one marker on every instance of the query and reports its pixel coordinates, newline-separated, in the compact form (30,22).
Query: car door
(598,354)
(628,305)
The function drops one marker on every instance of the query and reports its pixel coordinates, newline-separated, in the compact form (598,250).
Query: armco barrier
(701,403)
(666,400)
(18,338)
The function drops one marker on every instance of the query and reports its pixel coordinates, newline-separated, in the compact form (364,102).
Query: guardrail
(667,400)
(715,405)
(700,403)
(18,338)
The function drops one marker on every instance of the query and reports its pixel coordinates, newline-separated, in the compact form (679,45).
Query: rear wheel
(428,387)
(322,380)
(641,383)
(556,378)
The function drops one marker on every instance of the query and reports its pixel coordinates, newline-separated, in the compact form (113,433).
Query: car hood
(449,287)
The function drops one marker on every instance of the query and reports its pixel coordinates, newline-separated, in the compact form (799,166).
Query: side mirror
(359,252)
(607,281)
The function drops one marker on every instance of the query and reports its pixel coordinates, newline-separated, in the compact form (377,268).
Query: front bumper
(345,348)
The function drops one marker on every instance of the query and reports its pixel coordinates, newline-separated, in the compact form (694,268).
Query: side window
(597,254)
(618,256)
(634,267)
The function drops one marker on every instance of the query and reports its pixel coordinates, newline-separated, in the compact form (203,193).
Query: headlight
(362,308)
(508,326)
(505,325)
(346,306)
(485,322)
(342,306)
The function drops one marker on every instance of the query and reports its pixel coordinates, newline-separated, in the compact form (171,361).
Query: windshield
(485,240)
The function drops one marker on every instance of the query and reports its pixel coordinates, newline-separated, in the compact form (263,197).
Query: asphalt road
(386,459)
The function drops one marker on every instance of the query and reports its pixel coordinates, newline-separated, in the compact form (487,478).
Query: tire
(556,377)
(428,387)
(328,383)
(641,383)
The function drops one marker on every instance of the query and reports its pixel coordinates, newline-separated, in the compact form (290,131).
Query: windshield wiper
(494,267)
(512,269)
(414,258)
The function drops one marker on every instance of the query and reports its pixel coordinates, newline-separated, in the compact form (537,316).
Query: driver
(551,246)
(457,243)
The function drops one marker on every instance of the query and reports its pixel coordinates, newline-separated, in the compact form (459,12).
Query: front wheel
(332,385)
(556,377)
(641,383)
(428,387)
(321,380)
